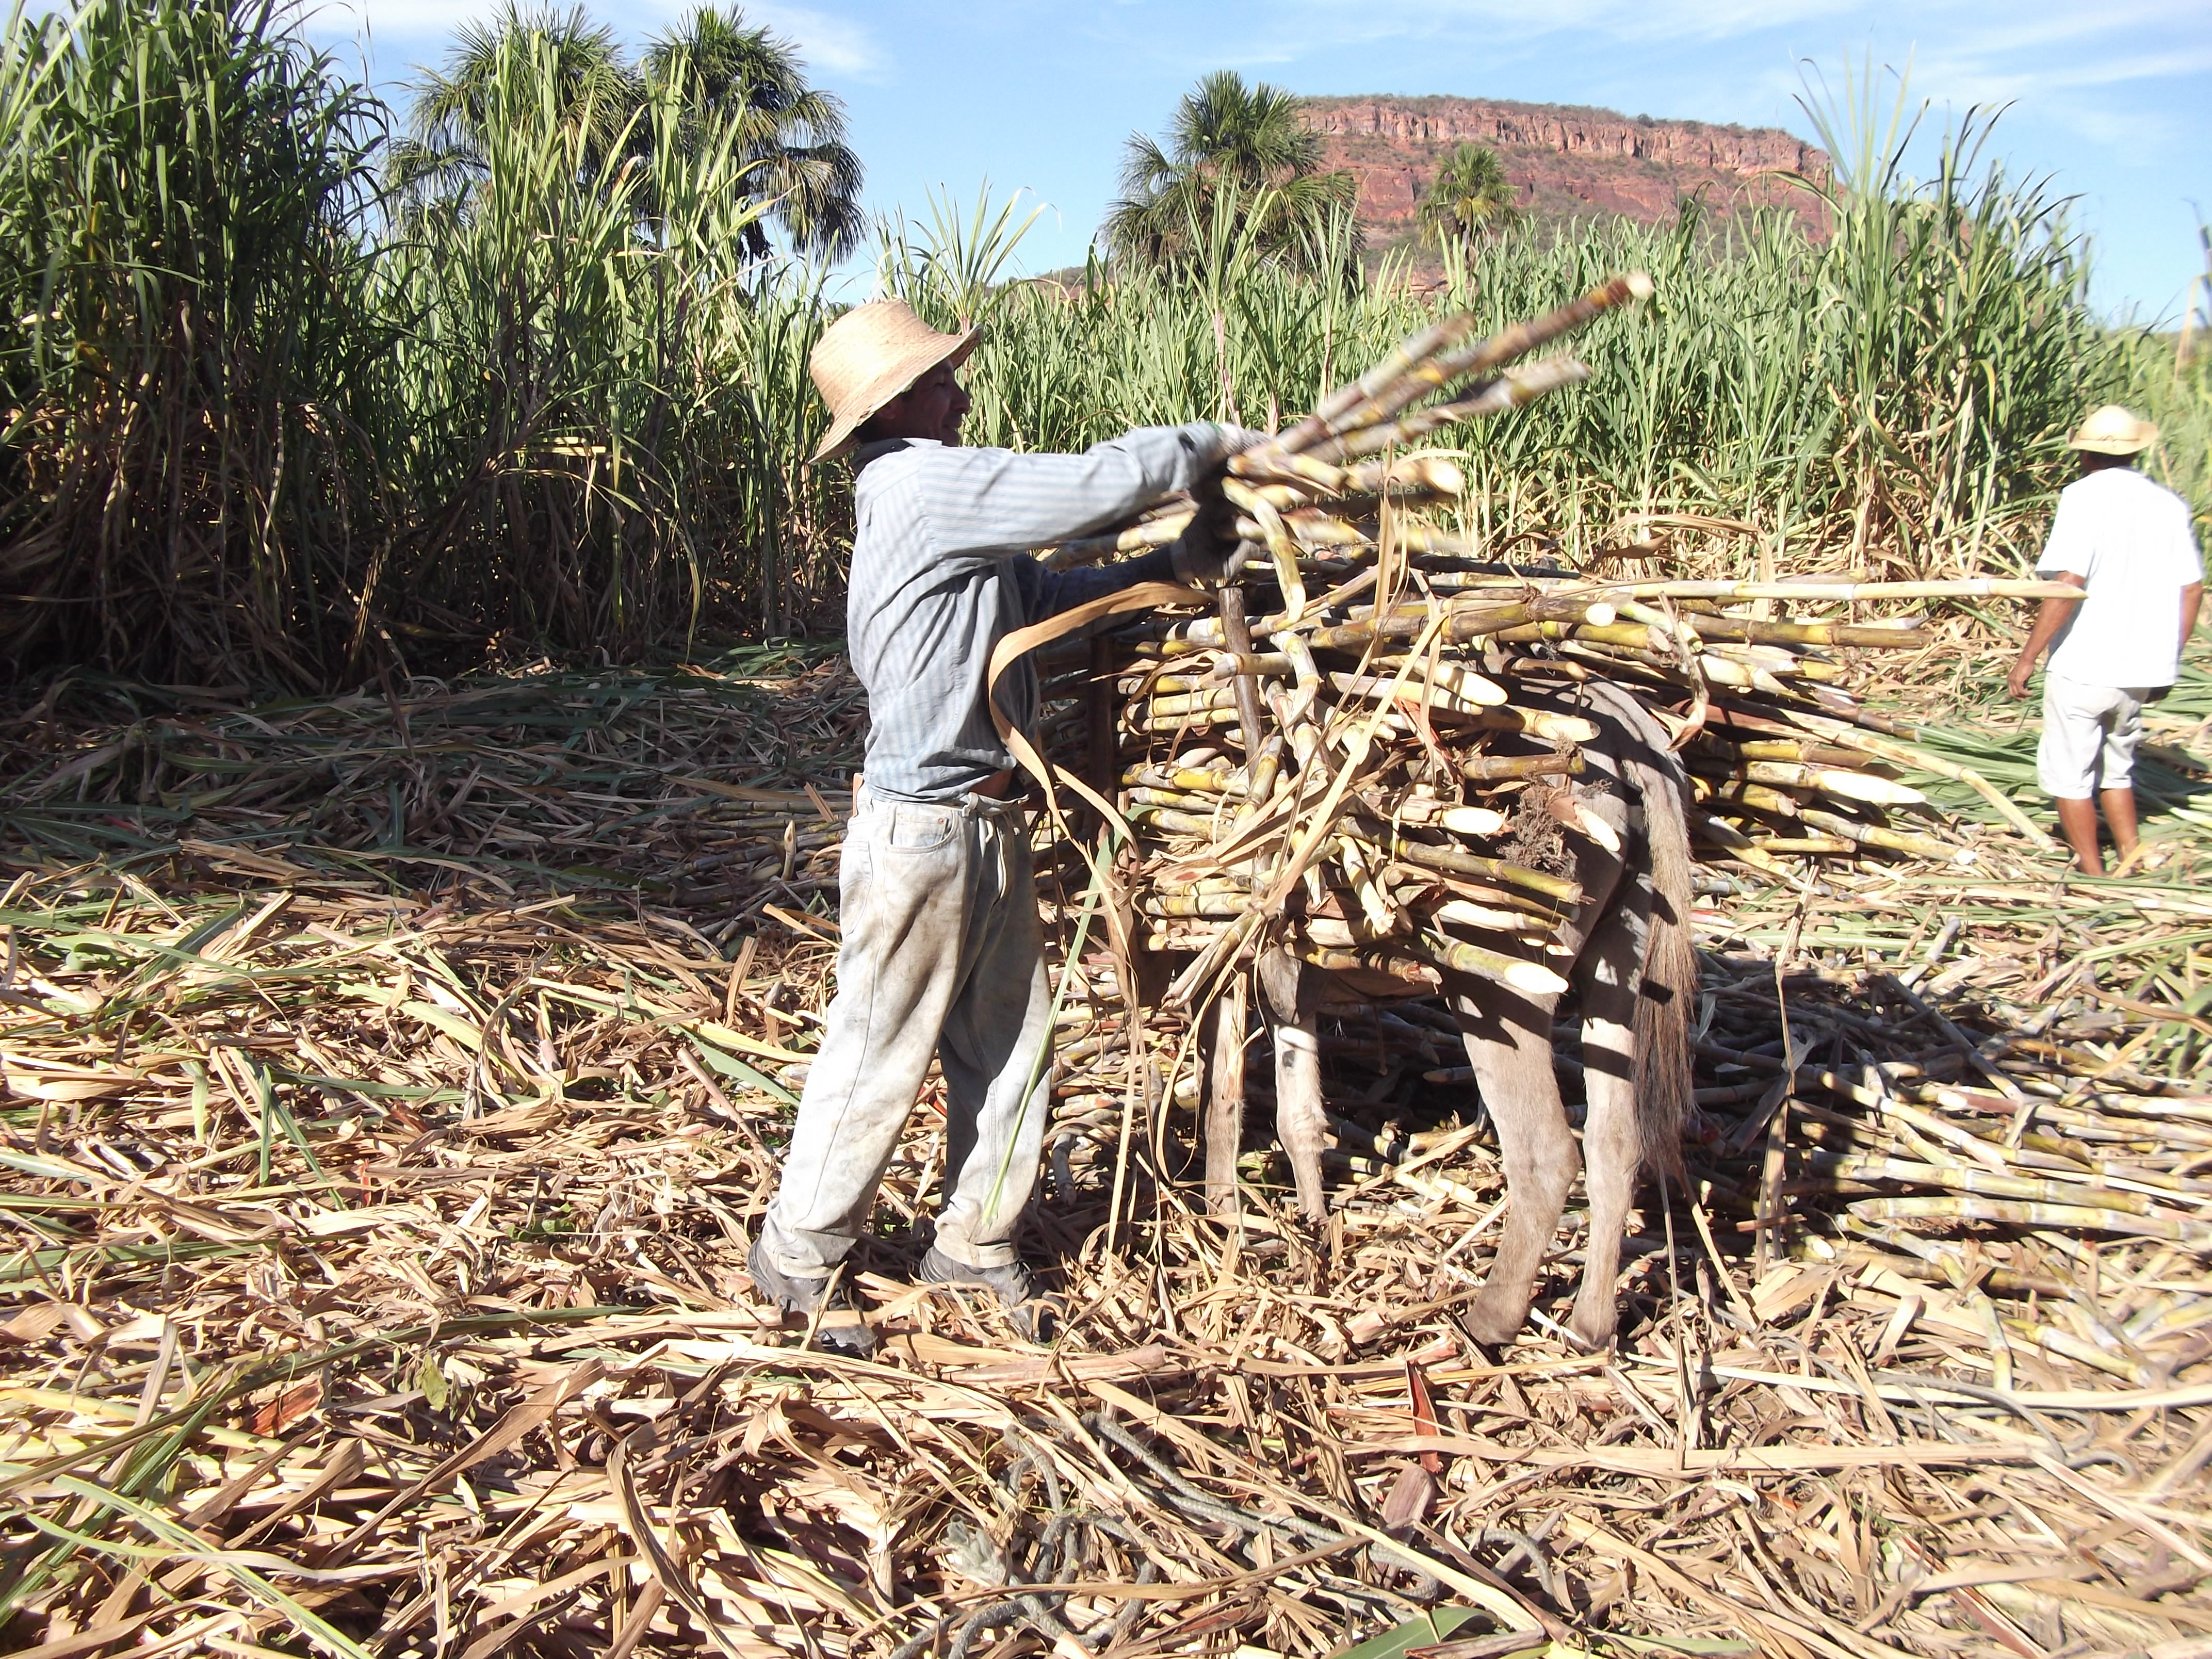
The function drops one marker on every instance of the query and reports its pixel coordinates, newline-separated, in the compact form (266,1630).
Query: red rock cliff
(1564,160)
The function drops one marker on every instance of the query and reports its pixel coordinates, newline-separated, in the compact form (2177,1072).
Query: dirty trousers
(941,954)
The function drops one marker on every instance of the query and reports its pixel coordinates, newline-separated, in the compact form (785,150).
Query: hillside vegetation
(263,426)
(1564,160)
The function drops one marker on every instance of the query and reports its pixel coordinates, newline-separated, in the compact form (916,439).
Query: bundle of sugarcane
(1389,798)
(1377,773)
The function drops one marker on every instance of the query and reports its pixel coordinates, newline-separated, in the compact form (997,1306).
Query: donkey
(1635,970)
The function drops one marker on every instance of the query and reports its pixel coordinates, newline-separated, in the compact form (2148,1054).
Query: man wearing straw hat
(940,953)
(2128,546)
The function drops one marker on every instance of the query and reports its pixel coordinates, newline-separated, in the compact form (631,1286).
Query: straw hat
(868,356)
(2114,431)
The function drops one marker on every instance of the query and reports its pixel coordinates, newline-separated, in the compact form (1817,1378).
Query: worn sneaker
(1031,1315)
(840,1328)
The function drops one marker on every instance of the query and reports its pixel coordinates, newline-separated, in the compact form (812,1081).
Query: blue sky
(2112,99)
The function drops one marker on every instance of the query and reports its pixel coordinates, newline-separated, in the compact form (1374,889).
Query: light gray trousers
(941,953)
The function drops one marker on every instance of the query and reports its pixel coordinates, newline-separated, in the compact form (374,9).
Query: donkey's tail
(1669,983)
(1670,988)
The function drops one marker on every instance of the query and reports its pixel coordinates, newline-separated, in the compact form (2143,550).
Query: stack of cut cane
(1360,751)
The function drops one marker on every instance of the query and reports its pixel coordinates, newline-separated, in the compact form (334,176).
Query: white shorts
(2090,738)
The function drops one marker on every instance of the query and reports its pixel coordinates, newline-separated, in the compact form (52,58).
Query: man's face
(933,407)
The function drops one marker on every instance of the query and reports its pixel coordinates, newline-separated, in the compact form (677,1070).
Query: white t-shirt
(2131,542)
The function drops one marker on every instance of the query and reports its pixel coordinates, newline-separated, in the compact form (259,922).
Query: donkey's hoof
(1592,1335)
(1492,1324)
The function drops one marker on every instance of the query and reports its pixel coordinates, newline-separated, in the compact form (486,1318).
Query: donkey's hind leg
(1224,1097)
(1301,1115)
(1609,976)
(1509,1043)
(1510,1048)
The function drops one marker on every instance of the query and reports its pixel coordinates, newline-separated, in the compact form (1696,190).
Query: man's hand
(1211,566)
(1208,553)
(2050,616)
(1236,439)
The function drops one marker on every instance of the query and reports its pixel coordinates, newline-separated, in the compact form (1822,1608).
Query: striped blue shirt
(941,573)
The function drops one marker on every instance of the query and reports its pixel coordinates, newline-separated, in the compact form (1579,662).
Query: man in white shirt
(2130,546)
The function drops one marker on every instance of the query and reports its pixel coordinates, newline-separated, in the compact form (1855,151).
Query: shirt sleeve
(2071,550)
(996,502)
(1047,592)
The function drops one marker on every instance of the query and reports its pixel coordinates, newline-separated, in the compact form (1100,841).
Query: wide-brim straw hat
(2114,430)
(868,356)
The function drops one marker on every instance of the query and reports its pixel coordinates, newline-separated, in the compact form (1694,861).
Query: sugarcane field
(727,929)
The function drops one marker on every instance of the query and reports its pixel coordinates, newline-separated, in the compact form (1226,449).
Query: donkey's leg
(1512,1053)
(1301,1116)
(1510,1048)
(1609,976)
(1224,1099)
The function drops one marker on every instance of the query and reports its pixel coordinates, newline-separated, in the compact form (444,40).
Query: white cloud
(1596,20)
(836,44)
(1302,30)
(1977,74)
(831,44)
(2028,23)
(398,17)
(2128,130)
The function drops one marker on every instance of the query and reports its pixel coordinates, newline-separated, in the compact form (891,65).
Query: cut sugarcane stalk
(1718,832)
(1530,978)
(1374,904)
(1784,748)
(1891,841)
(1835,781)
(1466,913)
(1535,723)
(1431,475)
(1443,369)
(1222,905)
(1191,683)
(1336,933)
(1187,702)
(1175,799)
(1759,797)
(1460,692)
(1202,720)
(1450,860)
(1514,389)
(1499,768)
(1416,349)
(1173,820)
(1369,959)
(1188,779)
(1224,665)
(1572,815)
(1476,820)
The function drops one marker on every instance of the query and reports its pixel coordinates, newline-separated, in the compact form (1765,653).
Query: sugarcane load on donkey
(941,952)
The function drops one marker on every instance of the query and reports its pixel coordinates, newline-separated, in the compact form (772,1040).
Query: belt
(974,803)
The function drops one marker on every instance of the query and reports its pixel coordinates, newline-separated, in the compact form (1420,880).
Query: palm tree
(723,69)
(1228,141)
(792,133)
(590,84)
(1469,195)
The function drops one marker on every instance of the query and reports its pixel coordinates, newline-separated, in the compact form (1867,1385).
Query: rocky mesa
(1566,161)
